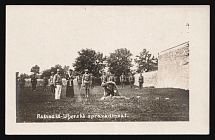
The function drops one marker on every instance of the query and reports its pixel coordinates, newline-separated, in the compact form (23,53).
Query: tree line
(118,62)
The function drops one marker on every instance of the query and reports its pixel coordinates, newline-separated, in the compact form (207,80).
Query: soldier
(141,81)
(57,84)
(111,78)
(79,81)
(86,82)
(115,78)
(45,80)
(104,78)
(92,81)
(122,80)
(34,82)
(52,82)
(131,80)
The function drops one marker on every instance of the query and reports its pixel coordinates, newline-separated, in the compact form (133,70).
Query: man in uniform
(103,81)
(57,84)
(34,82)
(115,78)
(141,81)
(111,78)
(122,80)
(92,81)
(86,81)
(103,78)
(131,80)
(46,81)
(52,82)
(79,81)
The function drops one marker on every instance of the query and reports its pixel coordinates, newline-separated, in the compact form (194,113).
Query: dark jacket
(34,80)
(141,79)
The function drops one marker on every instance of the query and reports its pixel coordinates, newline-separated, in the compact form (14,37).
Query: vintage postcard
(88,69)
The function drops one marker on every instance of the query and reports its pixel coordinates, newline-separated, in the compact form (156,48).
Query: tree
(146,62)
(24,75)
(47,72)
(119,62)
(91,60)
(35,69)
(65,70)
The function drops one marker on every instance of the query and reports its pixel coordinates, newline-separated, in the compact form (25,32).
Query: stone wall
(173,67)
(150,79)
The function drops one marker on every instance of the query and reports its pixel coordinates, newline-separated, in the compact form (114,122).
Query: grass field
(163,104)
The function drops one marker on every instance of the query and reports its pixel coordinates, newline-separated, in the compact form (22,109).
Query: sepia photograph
(113,65)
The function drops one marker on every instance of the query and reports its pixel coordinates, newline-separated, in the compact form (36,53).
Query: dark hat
(70,70)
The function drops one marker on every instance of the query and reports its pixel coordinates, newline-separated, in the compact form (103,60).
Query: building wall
(173,67)
(150,79)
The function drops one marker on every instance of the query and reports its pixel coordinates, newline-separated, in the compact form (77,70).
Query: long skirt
(70,90)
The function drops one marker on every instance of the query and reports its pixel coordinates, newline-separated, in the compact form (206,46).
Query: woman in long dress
(70,86)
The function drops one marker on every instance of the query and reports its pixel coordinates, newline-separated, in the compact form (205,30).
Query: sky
(49,35)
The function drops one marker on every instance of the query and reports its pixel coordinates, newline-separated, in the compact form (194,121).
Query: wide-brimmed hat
(52,72)
(86,70)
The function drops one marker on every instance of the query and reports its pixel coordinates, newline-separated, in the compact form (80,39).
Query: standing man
(86,82)
(115,78)
(103,78)
(122,80)
(58,84)
(34,82)
(103,81)
(92,81)
(141,81)
(46,81)
(79,81)
(52,82)
(131,80)
(111,78)
(21,82)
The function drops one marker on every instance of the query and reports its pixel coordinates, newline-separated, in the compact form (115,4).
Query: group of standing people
(123,79)
(56,84)
(21,81)
(86,80)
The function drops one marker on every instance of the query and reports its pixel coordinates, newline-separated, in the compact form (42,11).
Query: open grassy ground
(144,105)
